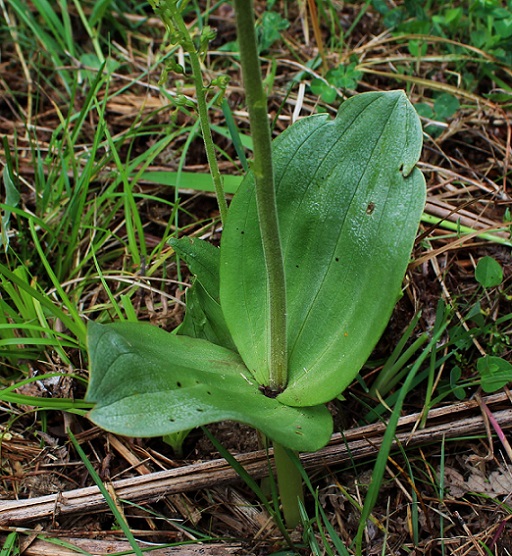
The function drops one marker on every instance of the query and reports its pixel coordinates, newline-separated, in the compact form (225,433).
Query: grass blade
(12,194)
(75,325)
(251,483)
(111,504)
(10,545)
(380,464)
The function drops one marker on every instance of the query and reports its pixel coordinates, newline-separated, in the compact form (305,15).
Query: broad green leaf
(495,373)
(147,382)
(488,272)
(349,201)
(203,316)
(203,260)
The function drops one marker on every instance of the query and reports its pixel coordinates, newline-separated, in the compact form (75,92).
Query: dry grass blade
(95,547)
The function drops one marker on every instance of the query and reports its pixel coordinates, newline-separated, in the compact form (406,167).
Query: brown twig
(41,547)
(448,422)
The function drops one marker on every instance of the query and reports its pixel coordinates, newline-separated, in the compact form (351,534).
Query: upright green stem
(288,475)
(265,191)
(171,16)
(289,482)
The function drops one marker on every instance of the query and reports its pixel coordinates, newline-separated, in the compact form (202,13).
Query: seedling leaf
(324,90)
(495,372)
(147,382)
(488,272)
(270,31)
(445,106)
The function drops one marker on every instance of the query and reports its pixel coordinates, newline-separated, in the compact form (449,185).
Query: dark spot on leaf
(178,384)
(200,409)
(337,259)
(242,232)
(296,266)
(171,419)
(209,393)
(370,208)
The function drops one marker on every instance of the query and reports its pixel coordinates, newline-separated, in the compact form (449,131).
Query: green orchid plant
(349,201)
(337,228)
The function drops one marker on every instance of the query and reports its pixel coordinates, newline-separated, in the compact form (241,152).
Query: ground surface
(446,493)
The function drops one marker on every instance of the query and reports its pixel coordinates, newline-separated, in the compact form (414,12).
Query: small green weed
(445,106)
(345,76)
(495,373)
(489,272)
(269,29)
